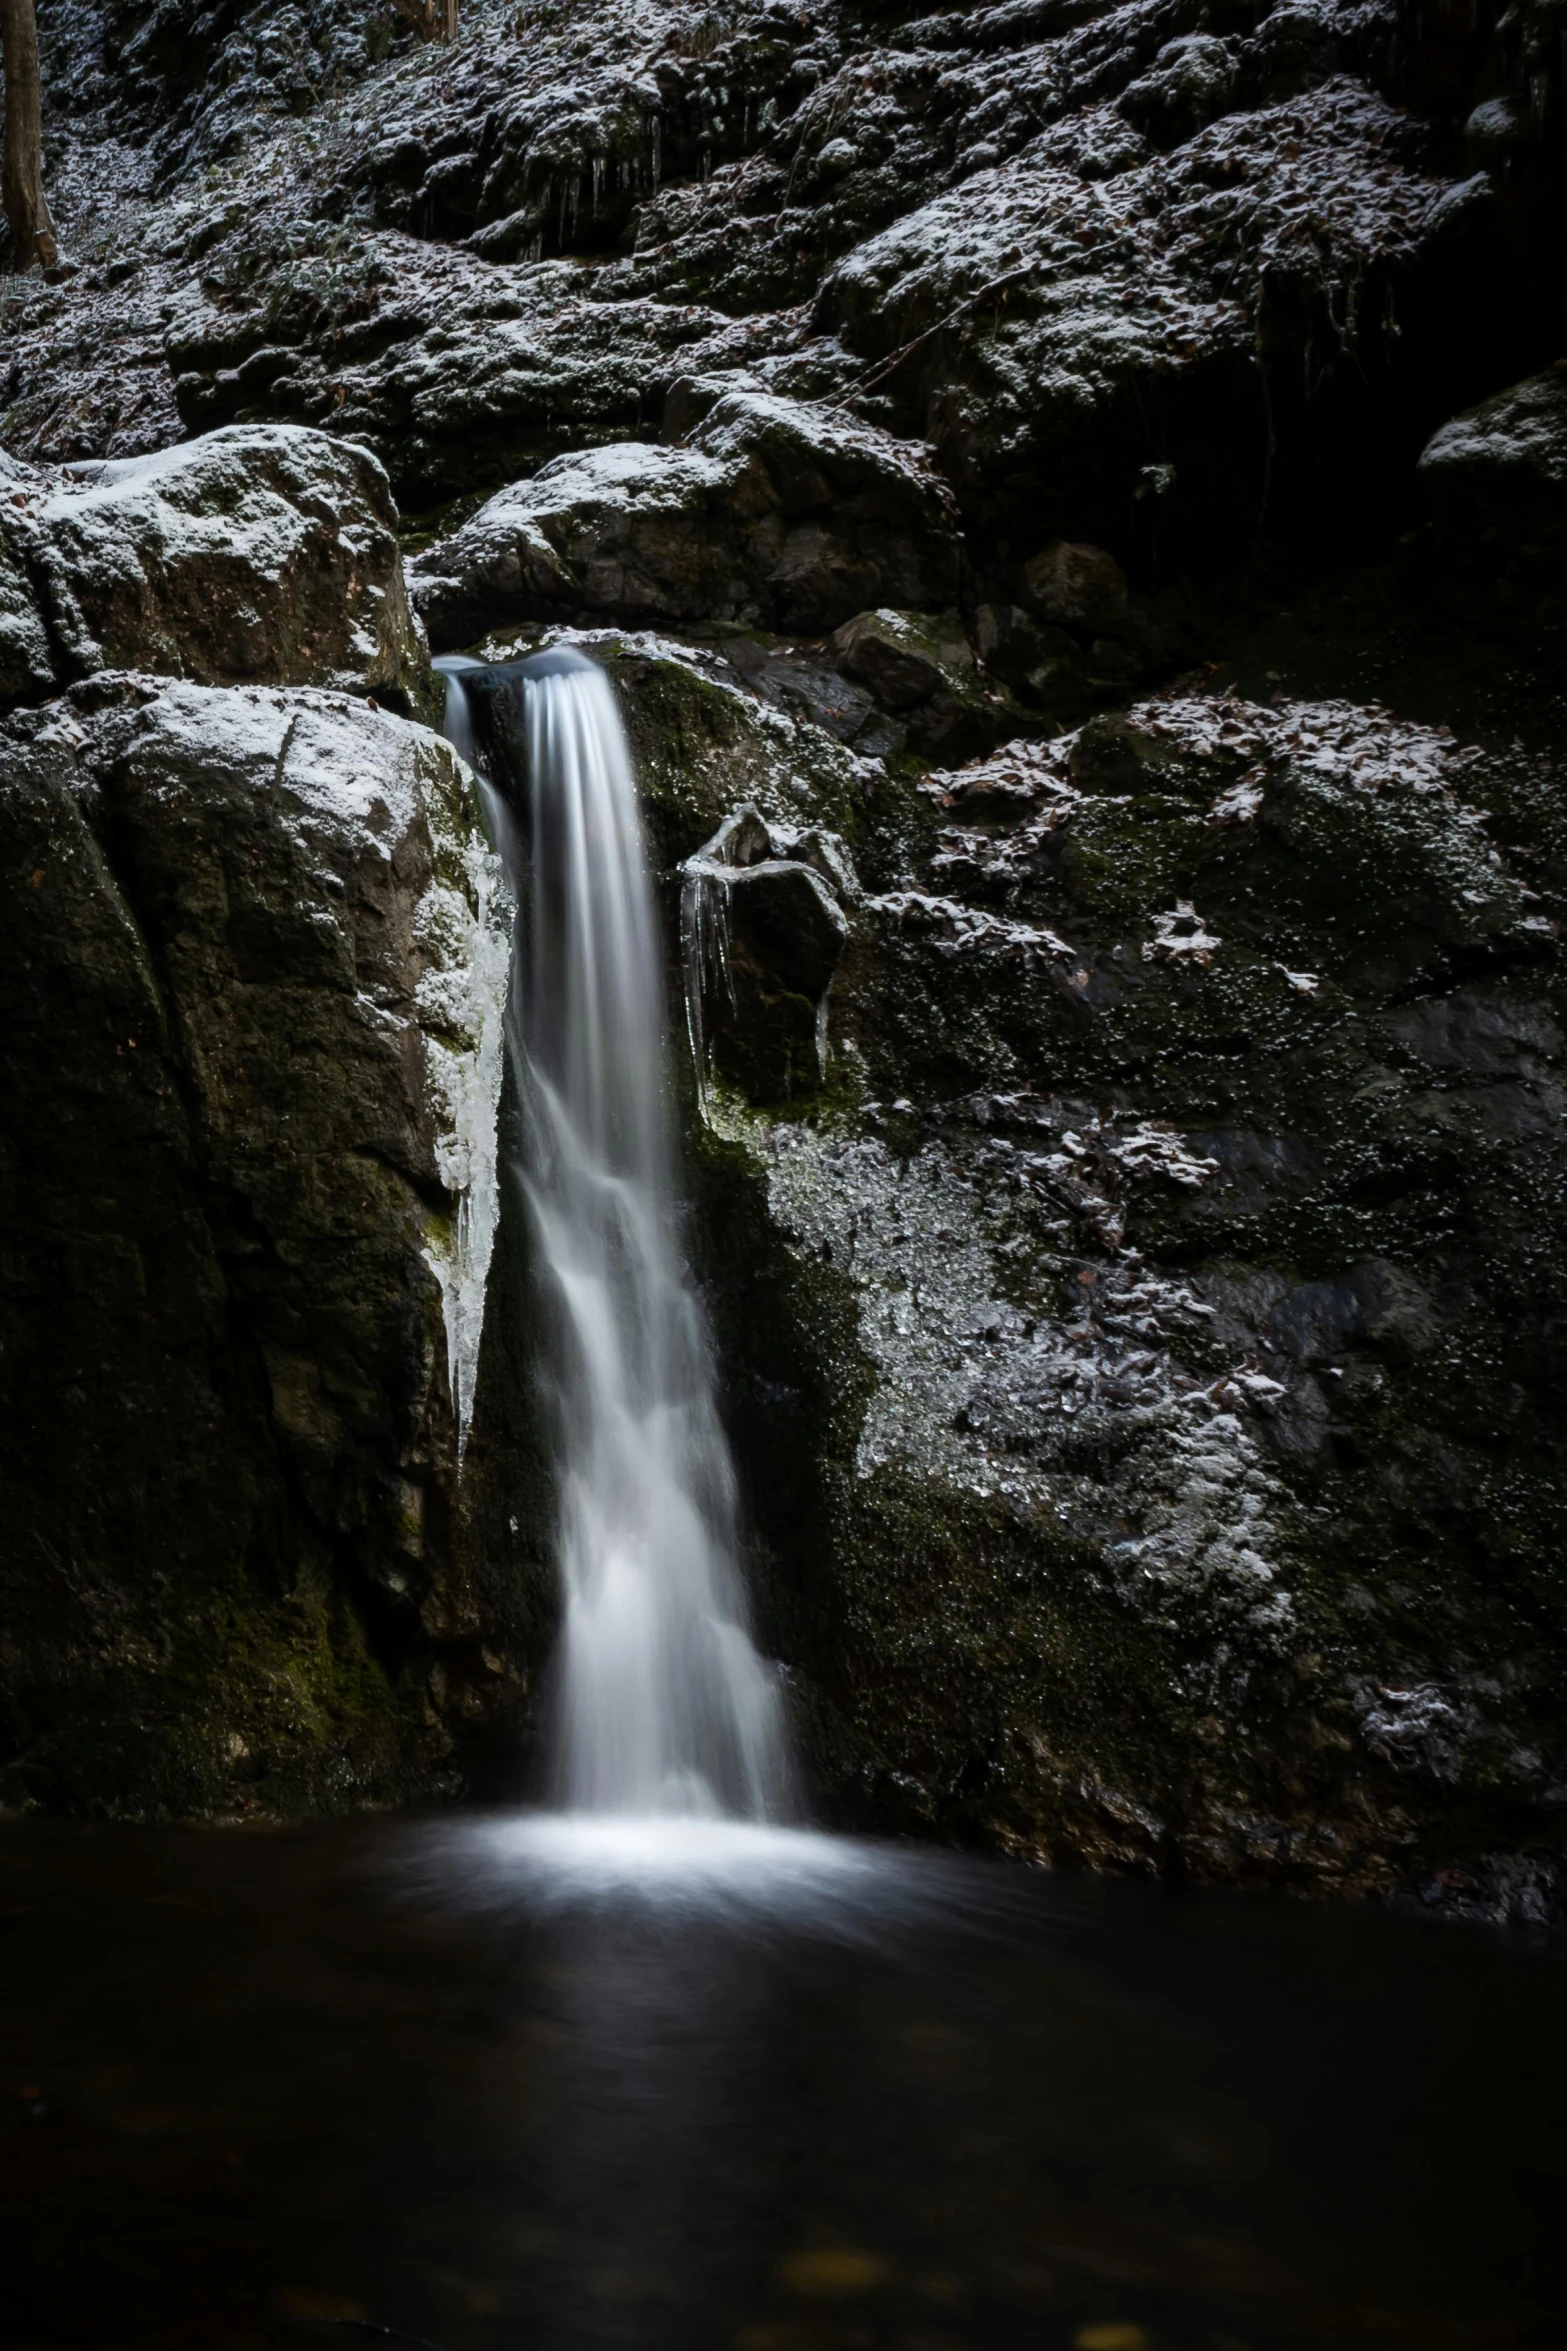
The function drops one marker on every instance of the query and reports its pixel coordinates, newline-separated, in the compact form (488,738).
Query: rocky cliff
(255,954)
(1071,495)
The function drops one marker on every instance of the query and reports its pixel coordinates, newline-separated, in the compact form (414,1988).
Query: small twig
(879,374)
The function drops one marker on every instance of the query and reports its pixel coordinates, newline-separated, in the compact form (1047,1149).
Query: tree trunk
(432,20)
(22,180)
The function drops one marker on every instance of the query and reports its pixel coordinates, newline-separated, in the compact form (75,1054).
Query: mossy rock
(1159,1463)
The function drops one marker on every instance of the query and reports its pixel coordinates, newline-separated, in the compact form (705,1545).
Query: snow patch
(466,935)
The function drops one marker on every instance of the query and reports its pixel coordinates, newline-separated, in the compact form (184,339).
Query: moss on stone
(1368,1226)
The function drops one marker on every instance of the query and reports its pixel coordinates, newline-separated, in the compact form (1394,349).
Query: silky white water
(663,1706)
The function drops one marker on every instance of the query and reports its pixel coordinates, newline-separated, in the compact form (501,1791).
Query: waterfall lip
(556,661)
(492,746)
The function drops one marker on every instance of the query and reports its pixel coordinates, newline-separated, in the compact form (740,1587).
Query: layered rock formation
(1125,1137)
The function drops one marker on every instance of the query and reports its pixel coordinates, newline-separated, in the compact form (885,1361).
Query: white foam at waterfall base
(664,1710)
(666,1870)
(674,1861)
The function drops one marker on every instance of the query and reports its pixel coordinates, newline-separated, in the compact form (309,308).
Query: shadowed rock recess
(1071,496)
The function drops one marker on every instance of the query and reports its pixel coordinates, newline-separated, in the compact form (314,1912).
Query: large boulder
(922,671)
(1497,475)
(762,926)
(262,552)
(253,959)
(772,510)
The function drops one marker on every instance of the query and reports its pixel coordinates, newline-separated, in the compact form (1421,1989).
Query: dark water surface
(267,2090)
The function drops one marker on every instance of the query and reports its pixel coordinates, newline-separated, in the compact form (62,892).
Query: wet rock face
(244,1049)
(762,927)
(255,959)
(1128,1326)
(262,552)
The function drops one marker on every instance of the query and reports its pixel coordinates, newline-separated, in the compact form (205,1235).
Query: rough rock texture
(924,673)
(1242,235)
(249,1062)
(261,552)
(1124,1135)
(771,511)
(762,927)
(1139,1332)
(715,723)
(1498,475)
(265,1549)
(1144,1358)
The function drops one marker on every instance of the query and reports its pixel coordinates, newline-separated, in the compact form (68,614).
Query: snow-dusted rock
(904,662)
(773,510)
(1190,82)
(1122,1240)
(1498,474)
(26,668)
(1073,351)
(253,960)
(261,552)
(1070,1392)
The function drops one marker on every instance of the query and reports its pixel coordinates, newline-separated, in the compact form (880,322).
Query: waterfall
(663,1705)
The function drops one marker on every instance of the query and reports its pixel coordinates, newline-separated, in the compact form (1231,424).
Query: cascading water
(664,1706)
